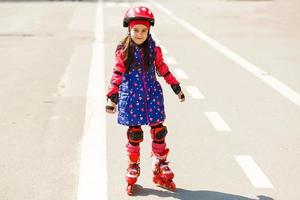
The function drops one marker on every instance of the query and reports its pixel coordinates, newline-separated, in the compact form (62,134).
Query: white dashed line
(217,121)
(194,92)
(253,172)
(92,183)
(253,69)
(180,73)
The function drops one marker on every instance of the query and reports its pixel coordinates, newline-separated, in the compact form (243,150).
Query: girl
(138,94)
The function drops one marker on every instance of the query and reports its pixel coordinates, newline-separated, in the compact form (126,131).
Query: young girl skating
(139,96)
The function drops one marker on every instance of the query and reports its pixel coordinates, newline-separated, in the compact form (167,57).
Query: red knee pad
(135,135)
(158,133)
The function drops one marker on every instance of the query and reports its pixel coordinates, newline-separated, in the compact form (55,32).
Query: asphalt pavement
(235,137)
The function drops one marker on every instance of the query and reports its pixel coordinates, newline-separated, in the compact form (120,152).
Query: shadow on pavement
(184,194)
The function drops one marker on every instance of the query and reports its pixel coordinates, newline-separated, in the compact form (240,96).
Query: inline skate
(133,172)
(162,174)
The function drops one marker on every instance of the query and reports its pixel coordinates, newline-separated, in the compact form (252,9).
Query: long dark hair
(128,47)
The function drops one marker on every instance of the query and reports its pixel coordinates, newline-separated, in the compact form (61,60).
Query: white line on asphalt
(92,183)
(253,69)
(194,92)
(180,73)
(170,60)
(217,121)
(253,172)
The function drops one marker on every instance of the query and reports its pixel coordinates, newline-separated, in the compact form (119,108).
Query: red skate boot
(163,175)
(133,172)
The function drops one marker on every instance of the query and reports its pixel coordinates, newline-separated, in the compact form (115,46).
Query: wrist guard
(176,88)
(114,98)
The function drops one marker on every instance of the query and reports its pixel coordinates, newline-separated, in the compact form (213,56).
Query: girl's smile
(139,33)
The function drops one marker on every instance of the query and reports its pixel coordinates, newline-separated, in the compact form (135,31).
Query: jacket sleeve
(163,69)
(118,72)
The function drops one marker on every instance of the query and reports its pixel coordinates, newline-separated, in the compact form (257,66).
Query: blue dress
(141,99)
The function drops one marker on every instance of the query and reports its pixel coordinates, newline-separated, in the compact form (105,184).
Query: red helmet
(139,12)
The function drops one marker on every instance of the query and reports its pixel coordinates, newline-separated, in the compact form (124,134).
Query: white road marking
(170,60)
(253,69)
(194,92)
(92,183)
(253,172)
(179,73)
(217,121)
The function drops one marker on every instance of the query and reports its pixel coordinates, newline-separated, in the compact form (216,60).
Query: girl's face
(139,33)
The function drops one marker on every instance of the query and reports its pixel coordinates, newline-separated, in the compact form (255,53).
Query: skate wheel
(155,180)
(129,189)
(172,186)
(169,185)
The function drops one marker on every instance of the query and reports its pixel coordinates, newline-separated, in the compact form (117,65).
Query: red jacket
(119,69)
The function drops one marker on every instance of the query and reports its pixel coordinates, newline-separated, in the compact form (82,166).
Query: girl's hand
(181,96)
(110,107)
